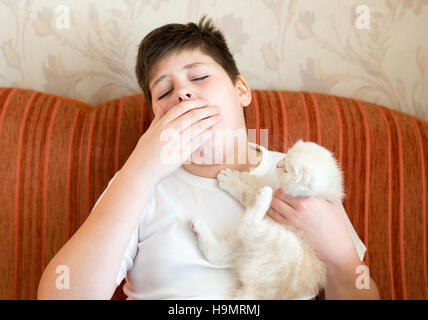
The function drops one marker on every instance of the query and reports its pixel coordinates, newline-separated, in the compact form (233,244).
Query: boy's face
(217,88)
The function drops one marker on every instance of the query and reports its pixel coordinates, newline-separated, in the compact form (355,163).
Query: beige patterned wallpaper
(374,50)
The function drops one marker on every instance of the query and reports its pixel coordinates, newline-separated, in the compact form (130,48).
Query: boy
(138,227)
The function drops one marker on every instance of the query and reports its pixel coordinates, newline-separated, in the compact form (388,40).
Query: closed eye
(201,78)
(197,79)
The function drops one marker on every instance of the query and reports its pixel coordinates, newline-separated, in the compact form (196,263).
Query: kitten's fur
(272,261)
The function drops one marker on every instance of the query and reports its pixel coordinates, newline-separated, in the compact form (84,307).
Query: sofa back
(57,156)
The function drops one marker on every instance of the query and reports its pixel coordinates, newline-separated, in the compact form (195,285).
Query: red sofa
(57,156)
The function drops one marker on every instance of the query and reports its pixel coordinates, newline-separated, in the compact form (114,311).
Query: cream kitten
(271,260)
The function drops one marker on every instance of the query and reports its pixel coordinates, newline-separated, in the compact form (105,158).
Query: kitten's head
(310,170)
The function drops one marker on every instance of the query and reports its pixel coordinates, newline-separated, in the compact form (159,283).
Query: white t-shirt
(163,260)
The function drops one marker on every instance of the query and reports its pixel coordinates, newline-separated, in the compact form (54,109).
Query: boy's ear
(244,91)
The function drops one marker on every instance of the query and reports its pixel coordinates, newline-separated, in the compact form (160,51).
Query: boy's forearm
(94,253)
(342,283)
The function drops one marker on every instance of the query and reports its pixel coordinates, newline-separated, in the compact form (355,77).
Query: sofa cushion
(58,155)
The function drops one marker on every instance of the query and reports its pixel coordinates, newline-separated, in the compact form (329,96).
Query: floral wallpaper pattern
(373,50)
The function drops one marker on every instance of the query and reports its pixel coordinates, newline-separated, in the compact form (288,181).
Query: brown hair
(177,37)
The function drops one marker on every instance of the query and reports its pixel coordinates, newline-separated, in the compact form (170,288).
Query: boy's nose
(184,96)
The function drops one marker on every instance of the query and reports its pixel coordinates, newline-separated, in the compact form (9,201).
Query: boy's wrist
(343,270)
(139,173)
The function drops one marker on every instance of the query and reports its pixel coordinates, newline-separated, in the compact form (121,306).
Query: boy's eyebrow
(189,66)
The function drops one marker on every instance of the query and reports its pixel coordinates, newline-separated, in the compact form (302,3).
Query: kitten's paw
(260,205)
(197,226)
(263,198)
(227,177)
(265,191)
(213,250)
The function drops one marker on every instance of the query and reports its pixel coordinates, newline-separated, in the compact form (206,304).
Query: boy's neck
(212,170)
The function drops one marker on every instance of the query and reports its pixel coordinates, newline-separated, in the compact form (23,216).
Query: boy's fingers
(197,121)
(283,208)
(289,200)
(275,215)
(182,108)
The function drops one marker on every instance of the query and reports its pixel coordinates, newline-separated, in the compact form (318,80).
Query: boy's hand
(320,222)
(171,139)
